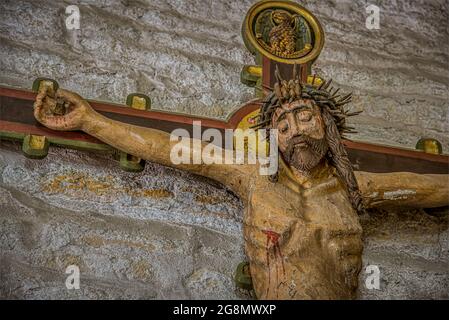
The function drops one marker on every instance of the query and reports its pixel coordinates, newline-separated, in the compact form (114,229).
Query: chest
(278,205)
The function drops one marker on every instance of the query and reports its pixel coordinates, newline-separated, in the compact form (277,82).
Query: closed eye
(283,128)
(304,115)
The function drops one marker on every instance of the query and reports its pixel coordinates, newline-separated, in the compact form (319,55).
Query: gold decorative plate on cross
(283,31)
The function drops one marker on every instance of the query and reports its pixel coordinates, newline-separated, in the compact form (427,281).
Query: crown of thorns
(324,95)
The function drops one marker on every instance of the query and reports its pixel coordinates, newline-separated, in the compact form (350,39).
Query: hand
(67,111)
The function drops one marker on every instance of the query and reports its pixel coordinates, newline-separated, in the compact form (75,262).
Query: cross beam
(17,123)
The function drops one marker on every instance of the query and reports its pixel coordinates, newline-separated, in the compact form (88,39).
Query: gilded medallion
(283,31)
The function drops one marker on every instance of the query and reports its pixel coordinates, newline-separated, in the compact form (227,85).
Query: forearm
(404,189)
(155,145)
(138,141)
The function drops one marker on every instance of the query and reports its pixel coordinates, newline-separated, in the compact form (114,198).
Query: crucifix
(302,235)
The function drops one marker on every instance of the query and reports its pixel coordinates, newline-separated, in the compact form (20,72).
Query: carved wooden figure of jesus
(301,228)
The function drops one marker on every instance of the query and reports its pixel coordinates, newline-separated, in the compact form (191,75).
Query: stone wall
(167,234)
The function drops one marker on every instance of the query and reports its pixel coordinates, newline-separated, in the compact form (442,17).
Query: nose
(295,128)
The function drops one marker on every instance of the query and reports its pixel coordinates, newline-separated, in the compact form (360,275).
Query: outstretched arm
(145,143)
(404,189)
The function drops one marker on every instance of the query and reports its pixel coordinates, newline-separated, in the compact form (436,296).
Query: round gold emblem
(283,31)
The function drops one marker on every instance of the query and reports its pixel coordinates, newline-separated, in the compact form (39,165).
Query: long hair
(334,117)
(338,157)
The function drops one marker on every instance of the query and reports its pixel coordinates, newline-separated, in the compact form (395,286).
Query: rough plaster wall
(187,55)
(166,234)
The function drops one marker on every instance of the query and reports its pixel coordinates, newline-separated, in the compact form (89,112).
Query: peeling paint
(398,194)
(78,181)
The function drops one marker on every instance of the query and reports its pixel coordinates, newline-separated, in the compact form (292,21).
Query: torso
(303,238)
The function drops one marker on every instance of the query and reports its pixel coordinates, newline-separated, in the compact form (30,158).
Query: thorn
(295,73)
(345,97)
(267,87)
(327,84)
(278,74)
(322,85)
(334,97)
(355,113)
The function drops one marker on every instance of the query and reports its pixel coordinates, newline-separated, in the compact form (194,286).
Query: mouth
(301,144)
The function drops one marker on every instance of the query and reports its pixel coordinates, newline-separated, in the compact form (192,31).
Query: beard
(305,153)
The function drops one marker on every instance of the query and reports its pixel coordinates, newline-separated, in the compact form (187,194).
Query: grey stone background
(164,233)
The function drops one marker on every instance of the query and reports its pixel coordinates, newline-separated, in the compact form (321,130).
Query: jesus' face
(301,132)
